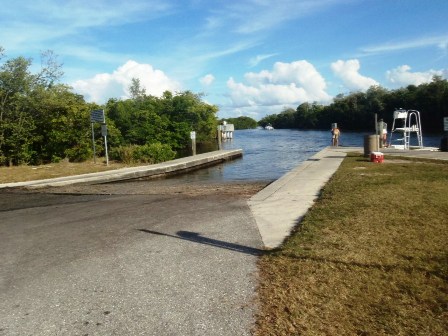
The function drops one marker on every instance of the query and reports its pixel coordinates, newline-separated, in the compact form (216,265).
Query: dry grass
(63,168)
(370,258)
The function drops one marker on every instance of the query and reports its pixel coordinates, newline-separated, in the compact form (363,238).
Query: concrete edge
(283,180)
(275,221)
(165,168)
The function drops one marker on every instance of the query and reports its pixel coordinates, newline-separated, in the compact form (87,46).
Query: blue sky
(249,57)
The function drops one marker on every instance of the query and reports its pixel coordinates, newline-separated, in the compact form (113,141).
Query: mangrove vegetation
(356,110)
(42,120)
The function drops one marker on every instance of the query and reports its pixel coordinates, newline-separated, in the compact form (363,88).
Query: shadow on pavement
(197,238)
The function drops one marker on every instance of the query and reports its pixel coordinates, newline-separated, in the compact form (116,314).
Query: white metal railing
(410,123)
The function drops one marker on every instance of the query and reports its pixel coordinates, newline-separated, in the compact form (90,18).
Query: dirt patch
(242,189)
(54,170)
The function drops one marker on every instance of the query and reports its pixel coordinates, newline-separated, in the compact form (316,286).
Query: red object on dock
(377,157)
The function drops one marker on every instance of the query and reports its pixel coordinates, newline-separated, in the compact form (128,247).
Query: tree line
(42,120)
(241,122)
(356,111)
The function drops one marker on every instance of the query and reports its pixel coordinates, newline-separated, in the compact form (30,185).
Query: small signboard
(192,135)
(97,116)
(445,124)
(104,130)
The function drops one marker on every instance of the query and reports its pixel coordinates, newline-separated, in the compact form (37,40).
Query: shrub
(78,153)
(124,154)
(154,153)
(149,153)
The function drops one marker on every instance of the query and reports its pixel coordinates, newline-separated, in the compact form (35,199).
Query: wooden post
(219,138)
(376,132)
(193,142)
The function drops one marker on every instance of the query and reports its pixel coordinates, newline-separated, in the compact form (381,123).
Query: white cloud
(254,16)
(250,111)
(34,24)
(207,80)
(440,42)
(287,84)
(402,76)
(236,48)
(84,13)
(348,72)
(115,85)
(254,61)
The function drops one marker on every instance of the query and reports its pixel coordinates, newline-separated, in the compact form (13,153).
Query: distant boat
(268,127)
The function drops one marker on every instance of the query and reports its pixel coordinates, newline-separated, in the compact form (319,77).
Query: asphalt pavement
(145,264)
(127,265)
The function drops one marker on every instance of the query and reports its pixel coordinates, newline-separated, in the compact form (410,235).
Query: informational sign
(97,116)
(445,124)
(104,130)
(193,135)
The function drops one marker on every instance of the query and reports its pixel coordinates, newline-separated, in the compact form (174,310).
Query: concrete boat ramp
(281,205)
(276,209)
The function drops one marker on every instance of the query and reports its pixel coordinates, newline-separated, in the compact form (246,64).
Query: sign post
(104,134)
(98,116)
(93,142)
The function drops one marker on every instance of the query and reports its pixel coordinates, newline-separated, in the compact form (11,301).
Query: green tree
(188,107)
(286,119)
(308,115)
(40,120)
(136,90)
(270,119)
(167,120)
(16,126)
(431,99)
(241,122)
(62,120)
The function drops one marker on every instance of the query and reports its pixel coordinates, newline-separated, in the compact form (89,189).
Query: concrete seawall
(161,169)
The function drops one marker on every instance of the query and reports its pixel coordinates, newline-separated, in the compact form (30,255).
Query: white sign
(192,135)
(97,116)
(445,124)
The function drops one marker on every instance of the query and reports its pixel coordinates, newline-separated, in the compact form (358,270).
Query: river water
(267,155)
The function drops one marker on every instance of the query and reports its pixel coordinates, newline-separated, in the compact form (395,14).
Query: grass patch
(369,258)
(53,170)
